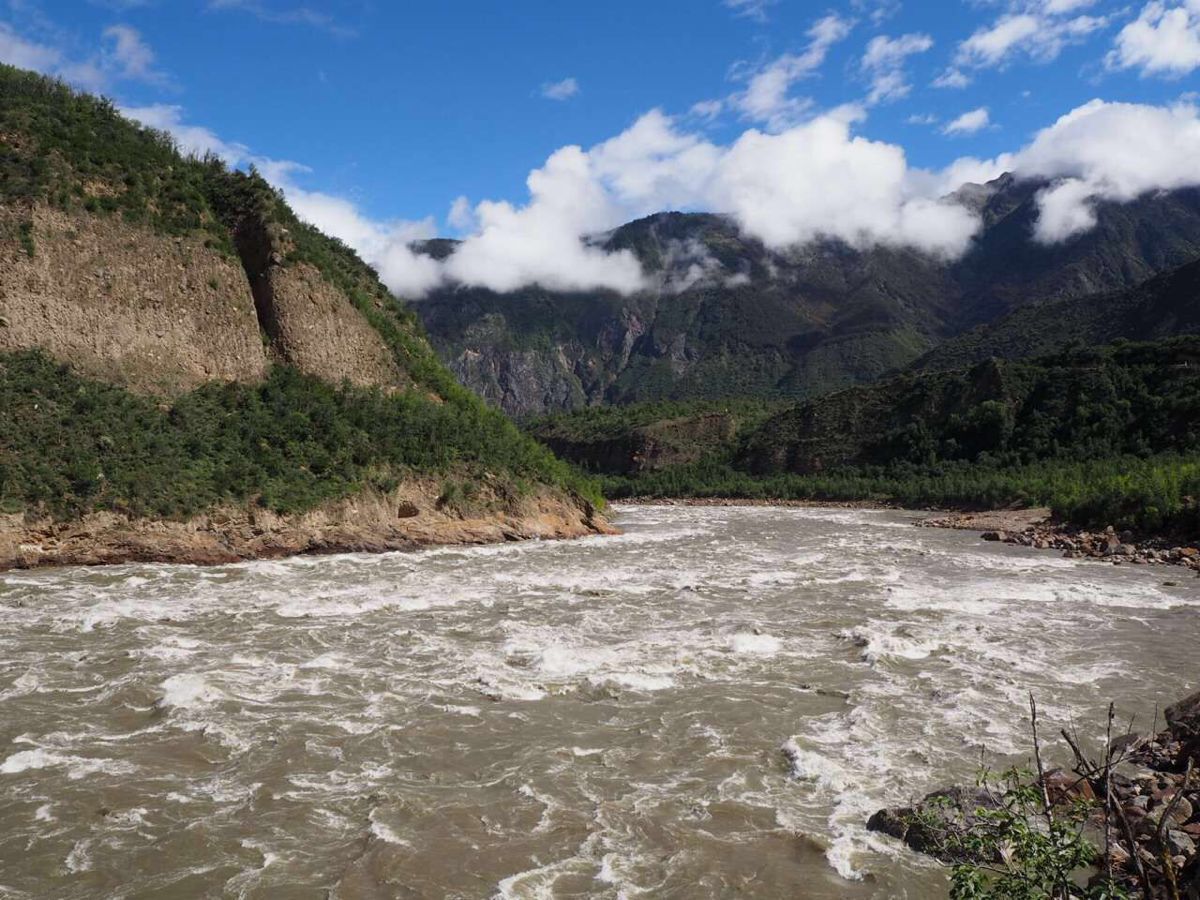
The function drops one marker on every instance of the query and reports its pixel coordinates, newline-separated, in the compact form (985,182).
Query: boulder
(1065,788)
(934,824)
(1183,718)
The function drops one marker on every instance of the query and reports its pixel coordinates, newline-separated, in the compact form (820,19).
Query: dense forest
(1107,435)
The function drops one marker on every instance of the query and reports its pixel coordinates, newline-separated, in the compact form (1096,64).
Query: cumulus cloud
(542,242)
(1108,151)
(1162,40)
(969,122)
(767,96)
(884,62)
(817,180)
(560,90)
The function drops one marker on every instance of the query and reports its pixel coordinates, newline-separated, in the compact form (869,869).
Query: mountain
(178,349)
(727,316)
(1166,305)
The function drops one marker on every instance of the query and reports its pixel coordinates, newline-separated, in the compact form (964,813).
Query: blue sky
(400,108)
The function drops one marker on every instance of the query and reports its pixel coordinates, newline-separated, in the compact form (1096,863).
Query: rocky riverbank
(1036,529)
(410,517)
(1147,834)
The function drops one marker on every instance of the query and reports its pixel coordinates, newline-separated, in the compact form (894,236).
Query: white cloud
(811,181)
(878,11)
(922,119)
(884,61)
(193,140)
(129,57)
(1061,7)
(1109,151)
(969,122)
(295,15)
(952,78)
(24,54)
(384,245)
(541,242)
(461,217)
(560,90)
(766,97)
(817,180)
(1163,40)
(750,9)
(707,109)
(1039,35)
(123,56)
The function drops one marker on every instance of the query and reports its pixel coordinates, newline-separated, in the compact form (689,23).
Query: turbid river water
(709,705)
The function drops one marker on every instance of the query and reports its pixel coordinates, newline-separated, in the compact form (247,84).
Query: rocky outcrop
(309,322)
(154,313)
(163,314)
(413,515)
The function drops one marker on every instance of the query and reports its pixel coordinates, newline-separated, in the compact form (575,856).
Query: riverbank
(412,516)
(1036,528)
(1143,797)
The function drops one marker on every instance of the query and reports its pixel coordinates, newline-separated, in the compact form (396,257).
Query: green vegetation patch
(69,445)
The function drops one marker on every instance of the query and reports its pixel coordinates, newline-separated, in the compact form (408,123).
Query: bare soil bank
(405,519)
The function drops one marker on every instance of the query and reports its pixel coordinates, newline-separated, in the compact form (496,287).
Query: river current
(709,705)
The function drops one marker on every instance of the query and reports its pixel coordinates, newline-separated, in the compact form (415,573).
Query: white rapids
(710,704)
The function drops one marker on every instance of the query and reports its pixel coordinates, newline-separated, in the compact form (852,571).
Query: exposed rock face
(310,323)
(408,517)
(154,313)
(161,314)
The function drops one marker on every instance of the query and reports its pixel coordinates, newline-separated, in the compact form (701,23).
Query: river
(709,705)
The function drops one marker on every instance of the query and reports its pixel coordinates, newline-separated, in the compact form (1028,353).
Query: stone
(992,536)
(1065,787)
(406,509)
(1183,718)
(893,822)
(1179,843)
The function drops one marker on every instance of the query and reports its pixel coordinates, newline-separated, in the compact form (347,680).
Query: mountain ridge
(729,317)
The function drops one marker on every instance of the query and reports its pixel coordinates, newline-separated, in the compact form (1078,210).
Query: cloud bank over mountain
(815,180)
